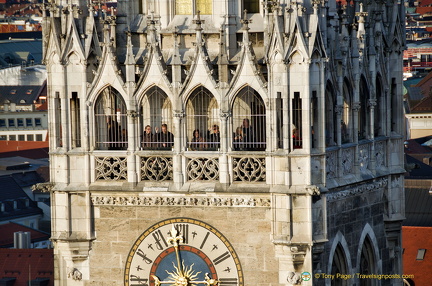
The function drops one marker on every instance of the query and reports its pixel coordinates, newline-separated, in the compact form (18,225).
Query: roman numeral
(183,230)
(205,239)
(227,281)
(157,235)
(221,258)
(141,281)
(144,256)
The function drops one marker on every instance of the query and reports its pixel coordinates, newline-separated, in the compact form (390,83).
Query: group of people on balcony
(243,139)
(158,140)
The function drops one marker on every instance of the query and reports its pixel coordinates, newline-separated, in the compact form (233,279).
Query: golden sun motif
(185,277)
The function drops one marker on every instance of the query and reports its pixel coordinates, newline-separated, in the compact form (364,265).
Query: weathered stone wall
(248,230)
(353,213)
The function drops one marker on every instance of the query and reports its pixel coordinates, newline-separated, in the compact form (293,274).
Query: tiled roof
(27,149)
(15,52)
(7,230)
(418,203)
(421,170)
(15,201)
(413,239)
(27,263)
(424,106)
(20,95)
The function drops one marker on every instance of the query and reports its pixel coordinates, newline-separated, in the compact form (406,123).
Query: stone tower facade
(267,135)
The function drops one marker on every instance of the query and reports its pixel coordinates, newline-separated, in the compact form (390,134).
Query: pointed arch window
(367,263)
(202,119)
(339,266)
(110,121)
(363,122)
(331,116)
(156,120)
(346,120)
(249,121)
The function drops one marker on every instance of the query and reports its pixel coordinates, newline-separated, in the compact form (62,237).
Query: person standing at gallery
(165,138)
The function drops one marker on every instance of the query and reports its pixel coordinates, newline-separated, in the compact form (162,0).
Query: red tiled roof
(413,239)
(27,263)
(28,149)
(7,230)
(424,3)
(424,10)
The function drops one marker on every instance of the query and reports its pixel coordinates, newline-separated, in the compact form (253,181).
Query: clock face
(182,252)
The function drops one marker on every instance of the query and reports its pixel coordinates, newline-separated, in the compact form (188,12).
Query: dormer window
(22,101)
(29,91)
(13,91)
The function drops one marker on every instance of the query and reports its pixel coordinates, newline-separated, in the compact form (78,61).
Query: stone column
(224,175)
(178,176)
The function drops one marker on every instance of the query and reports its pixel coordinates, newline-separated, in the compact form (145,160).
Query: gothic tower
(218,142)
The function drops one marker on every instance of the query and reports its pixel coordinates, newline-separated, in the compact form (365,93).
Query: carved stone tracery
(249,169)
(203,169)
(156,168)
(111,168)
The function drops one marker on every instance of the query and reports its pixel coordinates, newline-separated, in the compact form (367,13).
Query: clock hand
(174,239)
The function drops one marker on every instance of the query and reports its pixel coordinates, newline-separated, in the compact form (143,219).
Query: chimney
(13,107)
(22,240)
(2,207)
(6,107)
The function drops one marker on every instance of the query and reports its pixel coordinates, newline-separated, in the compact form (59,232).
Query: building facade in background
(225,142)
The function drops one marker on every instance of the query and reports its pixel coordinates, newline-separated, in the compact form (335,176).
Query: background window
(420,254)
(12,137)
(3,137)
(2,122)
(185,7)
(252,6)
(21,137)
(202,121)
(20,122)
(38,137)
(29,122)
(111,121)
(249,122)
(156,111)
(11,122)
(30,137)
(38,122)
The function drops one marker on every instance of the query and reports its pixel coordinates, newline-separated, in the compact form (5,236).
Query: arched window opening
(339,266)
(110,121)
(249,122)
(346,122)
(331,116)
(202,112)
(378,122)
(363,121)
(367,263)
(156,121)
